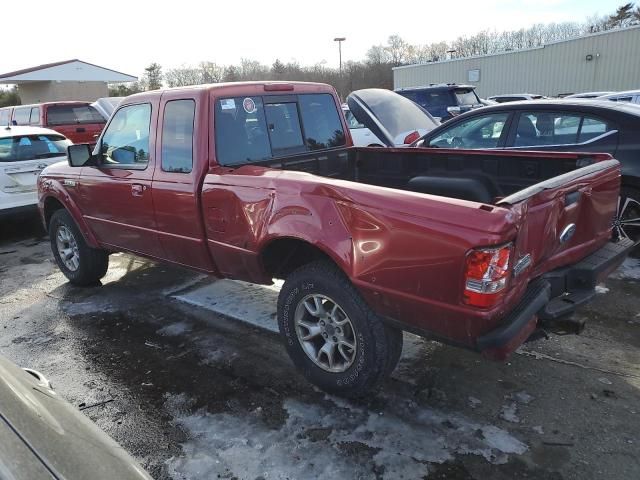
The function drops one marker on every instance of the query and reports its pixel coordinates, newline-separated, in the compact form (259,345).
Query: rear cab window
(72,115)
(32,147)
(252,129)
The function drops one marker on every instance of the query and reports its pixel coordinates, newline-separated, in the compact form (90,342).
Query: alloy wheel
(325,333)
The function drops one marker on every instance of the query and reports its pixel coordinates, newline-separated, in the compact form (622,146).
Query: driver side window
(126,140)
(478,132)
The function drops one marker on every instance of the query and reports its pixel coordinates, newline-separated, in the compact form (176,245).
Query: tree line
(374,71)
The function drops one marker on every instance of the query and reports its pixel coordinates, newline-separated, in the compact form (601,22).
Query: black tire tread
(387,340)
(94,262)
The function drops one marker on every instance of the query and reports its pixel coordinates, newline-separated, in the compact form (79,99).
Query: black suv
(445,100)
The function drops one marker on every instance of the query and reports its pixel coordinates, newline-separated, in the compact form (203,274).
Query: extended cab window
(177,136)
(126,140)
(251,129)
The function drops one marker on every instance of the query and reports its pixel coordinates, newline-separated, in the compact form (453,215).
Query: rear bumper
(551,298)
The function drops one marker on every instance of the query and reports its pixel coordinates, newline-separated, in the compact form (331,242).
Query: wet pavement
(197,385)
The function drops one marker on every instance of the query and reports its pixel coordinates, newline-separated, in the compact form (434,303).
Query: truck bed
(482,176)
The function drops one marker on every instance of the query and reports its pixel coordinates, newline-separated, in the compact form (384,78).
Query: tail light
(486,274)
(412,137)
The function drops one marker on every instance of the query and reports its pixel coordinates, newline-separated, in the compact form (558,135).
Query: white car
(631,96)
(361,135)
(24,153)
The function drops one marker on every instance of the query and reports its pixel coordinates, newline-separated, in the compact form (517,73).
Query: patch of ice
(630,270)
(175,329)
(92,305)
(509,411)
(401,441)
(538,429)
(254,304)
(474,402)
(523,397)
(601,289)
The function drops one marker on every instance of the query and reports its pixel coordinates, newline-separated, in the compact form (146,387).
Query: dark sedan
(557,125)
(44,437)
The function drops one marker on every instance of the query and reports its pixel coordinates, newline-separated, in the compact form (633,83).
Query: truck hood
(391,117)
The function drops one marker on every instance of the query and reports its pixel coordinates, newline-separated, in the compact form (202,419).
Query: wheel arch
(52,203)
(282,255)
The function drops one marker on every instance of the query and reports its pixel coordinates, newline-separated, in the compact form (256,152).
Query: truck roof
(242,88)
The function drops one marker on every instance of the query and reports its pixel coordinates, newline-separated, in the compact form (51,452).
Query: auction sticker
(228,104)
(249,105)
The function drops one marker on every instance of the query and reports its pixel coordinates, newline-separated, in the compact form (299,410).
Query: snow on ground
(402,439)
(629,270)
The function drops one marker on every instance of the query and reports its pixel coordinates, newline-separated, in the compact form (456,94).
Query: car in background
(443,101)
(106,105)
(515,97)
(5,116)
(577,125)
(587,95)
(380,108)
(44,437)
(630,96)
(24,153)
(78,121)
(361,135)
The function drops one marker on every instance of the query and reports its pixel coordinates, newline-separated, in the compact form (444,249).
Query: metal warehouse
(603,61)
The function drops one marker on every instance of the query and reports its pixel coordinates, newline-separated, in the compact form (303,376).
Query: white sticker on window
(249,105)
(228,104)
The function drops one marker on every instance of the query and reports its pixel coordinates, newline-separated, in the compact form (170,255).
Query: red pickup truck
(256,181)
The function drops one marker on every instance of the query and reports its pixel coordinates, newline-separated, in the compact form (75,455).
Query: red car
(256,181)
(78,121)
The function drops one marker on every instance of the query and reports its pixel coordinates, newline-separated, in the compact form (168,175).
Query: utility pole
(340,40)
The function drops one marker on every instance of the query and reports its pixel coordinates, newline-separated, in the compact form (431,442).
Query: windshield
(31,147)
(467,97)
(397,114)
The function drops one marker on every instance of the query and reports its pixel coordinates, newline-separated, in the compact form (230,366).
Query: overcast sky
(128,35)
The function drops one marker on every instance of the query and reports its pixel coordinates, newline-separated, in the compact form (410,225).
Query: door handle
(137,189)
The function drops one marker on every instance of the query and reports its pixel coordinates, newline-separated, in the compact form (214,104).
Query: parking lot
(193,393)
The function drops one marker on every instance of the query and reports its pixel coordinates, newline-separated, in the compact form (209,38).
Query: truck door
(116,194)
(183,161)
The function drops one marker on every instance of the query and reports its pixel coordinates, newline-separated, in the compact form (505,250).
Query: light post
(340,40)
(451,52)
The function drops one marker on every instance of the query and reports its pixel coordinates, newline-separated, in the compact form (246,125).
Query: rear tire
(331,334)
(81,264)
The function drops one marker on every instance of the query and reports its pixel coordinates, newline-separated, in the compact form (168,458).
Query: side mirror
(79,155)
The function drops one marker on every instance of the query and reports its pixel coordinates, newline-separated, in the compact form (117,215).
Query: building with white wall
(606,61)
(67,80)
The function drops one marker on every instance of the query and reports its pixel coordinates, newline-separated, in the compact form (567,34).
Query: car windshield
(466,97)
(32,147)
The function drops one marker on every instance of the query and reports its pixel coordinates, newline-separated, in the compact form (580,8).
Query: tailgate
(565,218)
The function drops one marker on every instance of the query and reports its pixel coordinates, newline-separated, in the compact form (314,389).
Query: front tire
(331,334)
(81,264)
